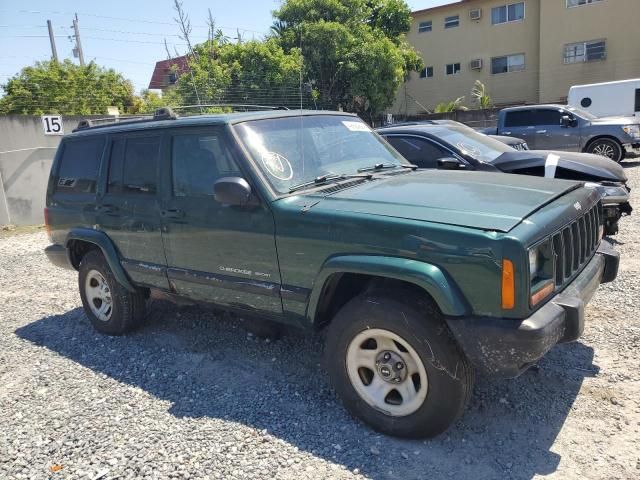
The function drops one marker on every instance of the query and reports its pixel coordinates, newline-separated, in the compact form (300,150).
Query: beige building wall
(616,21)
(548,26)
(472,40)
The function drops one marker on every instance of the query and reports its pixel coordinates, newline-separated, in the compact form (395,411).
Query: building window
(426,72)
(424,27)
(514,12)
(585,51)
(452,22)
(578,3)
(508,63)
(453,68)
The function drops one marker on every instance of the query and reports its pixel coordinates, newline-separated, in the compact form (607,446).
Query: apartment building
(528,51)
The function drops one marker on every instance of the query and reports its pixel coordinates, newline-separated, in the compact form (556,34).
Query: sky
(126,35)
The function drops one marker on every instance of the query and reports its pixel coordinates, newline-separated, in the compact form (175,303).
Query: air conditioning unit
(476,64)
(475,14)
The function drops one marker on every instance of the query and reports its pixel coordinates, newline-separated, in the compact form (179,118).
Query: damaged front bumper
(505,348)
(615,204)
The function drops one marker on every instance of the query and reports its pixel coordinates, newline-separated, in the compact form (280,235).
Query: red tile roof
(160,77)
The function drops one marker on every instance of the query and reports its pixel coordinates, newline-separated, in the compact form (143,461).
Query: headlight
(541,272)
(534,264)
(632,130)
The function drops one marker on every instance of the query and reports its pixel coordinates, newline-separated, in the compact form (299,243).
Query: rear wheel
(110,307)
(396,366)
(607,148)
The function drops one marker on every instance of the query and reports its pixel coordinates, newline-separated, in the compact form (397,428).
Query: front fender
(102,241)
(429,277)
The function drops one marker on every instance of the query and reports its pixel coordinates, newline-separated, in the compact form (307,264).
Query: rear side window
(197,161)
(79,165)
(519,118)
(133,167)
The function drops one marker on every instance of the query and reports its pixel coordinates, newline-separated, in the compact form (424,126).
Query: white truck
(620,98)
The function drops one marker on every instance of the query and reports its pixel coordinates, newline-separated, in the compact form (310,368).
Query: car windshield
(474,144)
(582,113)
(295,150)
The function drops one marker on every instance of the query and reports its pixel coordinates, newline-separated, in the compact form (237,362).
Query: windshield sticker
(277,165)
(356,126)
(470,149)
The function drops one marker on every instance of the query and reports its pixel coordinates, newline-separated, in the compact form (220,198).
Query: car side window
(79,165)
(519,118)
(133,168)
(548,117)
(197,161)
(420,152)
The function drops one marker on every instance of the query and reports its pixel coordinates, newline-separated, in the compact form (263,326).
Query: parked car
(513,142)
(557,127)
(311,219)
(607,99)
(454,147)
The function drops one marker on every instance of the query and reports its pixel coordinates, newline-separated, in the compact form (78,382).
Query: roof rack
(164,113)
(167,113)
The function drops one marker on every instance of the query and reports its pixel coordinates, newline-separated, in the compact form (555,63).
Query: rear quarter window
(79,165)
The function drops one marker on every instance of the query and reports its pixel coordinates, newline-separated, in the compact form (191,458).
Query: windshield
(295,150)
(582,113)
(474,144)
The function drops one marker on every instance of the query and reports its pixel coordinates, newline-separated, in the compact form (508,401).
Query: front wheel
(607,148)
(396,366)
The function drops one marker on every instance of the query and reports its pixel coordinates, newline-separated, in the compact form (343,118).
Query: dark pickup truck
(558,127)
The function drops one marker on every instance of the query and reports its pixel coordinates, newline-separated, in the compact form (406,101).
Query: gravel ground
(191,395)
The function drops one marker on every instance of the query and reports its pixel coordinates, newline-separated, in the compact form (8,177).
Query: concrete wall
(26,154)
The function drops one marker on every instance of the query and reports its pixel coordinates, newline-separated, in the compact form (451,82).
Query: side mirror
(232,191)
(567,121)
(449,163)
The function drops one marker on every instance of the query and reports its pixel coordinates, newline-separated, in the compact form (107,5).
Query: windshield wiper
(322,179)
(382,166)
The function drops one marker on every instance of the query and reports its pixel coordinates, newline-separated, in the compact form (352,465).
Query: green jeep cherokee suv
(311,219)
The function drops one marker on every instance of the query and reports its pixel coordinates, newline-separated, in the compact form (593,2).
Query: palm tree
(278,28)
(452,106)
(481,96)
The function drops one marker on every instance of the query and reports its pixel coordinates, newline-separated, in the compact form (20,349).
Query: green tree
(452,106)
(480,95)
(255,72)
(68,89)
(354,51)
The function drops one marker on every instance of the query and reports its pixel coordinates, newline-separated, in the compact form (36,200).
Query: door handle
(173,213)
(109,209)
(541,131)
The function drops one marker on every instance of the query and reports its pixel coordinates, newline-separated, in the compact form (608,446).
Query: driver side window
(418,151)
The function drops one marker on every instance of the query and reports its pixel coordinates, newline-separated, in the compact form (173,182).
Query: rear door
(129,211)
(216,253)
(519,124)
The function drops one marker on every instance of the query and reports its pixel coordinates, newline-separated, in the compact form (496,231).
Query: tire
(111,308)
(359,335)
(607,147)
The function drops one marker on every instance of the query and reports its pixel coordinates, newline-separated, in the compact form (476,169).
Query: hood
(487,201)
(568,165)
(618,120)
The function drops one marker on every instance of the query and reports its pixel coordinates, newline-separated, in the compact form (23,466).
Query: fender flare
(432,279)
(102,241)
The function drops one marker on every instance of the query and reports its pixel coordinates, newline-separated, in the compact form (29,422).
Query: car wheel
(111,308)
(607,148)
(396,366)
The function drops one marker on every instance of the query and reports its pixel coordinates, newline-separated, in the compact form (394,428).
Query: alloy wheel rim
(386,372)
(98,295)
(605,150)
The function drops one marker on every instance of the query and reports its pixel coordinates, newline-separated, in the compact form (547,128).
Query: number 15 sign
(52,125)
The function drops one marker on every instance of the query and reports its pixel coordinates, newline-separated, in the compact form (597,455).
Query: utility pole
(78,43)
(52,40)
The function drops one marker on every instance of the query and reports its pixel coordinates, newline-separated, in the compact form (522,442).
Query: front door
(550,134)
(129,210)
(216,253)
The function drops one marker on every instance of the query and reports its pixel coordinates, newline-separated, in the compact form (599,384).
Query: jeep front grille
(575,244)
